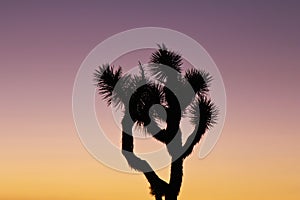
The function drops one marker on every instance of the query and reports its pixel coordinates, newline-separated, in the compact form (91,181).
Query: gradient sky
(255,44)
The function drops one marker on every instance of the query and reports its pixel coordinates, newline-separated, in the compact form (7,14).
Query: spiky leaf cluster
(106,79)
(199,80)
(141,101)
(203,112)
(163,58)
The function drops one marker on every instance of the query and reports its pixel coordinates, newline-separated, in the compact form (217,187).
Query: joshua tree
(136,94)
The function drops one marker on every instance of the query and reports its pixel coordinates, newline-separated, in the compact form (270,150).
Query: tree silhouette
(136,94)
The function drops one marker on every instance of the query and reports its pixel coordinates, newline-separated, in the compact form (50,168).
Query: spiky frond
(199,80)
(167,57)
(142,100)
(203,112)
(142,71)
(164,57)
(131,82)
(106,79)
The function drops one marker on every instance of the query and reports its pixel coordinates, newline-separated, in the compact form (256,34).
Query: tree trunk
(170,196)
(158,198)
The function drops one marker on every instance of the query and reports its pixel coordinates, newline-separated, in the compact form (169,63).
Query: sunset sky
(255,45)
